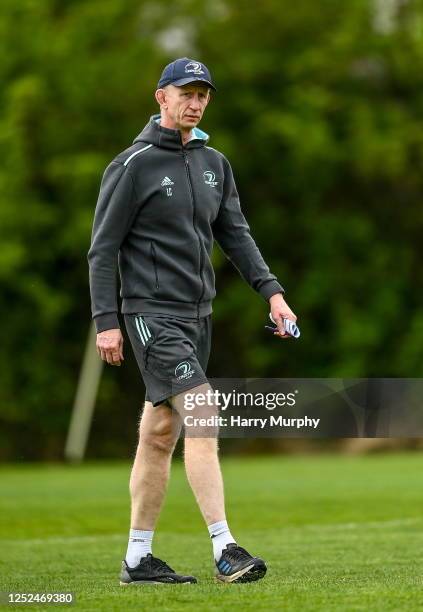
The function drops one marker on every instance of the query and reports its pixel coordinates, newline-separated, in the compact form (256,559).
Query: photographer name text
(256,423)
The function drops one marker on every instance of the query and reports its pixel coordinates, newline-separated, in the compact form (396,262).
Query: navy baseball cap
(183,71)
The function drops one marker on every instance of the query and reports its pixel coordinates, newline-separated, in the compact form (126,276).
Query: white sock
(139,545)
(220,537)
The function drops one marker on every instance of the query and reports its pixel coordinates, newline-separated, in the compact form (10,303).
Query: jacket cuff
(106,321)
(271,288)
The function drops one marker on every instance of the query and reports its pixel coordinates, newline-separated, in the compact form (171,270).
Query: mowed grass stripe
(338,533)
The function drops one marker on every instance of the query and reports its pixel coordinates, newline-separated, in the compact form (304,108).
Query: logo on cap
(194,67)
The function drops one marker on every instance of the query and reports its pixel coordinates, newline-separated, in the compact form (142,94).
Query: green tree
(320,114)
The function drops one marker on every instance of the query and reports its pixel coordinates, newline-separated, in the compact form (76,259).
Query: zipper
(153,257)
(195,230)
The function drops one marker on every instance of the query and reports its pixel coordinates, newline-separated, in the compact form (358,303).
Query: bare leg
(204,476)
(150,472)
(202,461)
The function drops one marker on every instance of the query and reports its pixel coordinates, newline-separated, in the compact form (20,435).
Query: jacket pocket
(154,259)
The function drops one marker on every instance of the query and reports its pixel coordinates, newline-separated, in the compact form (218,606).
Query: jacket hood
(155,134)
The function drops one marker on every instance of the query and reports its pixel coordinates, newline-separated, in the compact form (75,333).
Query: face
(184,106)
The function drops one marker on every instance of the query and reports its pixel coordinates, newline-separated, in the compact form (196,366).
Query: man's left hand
(280,310)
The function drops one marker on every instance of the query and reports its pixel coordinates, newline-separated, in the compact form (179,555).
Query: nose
(195,103)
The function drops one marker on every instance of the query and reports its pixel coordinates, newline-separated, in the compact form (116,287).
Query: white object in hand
(290,327)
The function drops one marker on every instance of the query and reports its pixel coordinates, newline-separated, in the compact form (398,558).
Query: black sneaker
(237,565)
(151,570)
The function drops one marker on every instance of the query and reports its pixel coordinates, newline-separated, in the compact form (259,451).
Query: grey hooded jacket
(160,206)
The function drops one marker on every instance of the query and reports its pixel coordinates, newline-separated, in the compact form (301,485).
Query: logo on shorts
(183,370)
(210,178)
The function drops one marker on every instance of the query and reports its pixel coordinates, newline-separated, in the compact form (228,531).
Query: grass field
(338,533)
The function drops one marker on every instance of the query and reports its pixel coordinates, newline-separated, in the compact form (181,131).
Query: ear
(160,96)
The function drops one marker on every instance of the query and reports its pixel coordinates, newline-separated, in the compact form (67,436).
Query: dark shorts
(172,352)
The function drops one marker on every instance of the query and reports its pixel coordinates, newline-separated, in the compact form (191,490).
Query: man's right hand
(110,346)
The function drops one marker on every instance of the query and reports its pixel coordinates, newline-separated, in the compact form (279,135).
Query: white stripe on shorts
(139,330)
(145,329)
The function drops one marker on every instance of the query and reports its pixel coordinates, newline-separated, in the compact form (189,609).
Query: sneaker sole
(251,573)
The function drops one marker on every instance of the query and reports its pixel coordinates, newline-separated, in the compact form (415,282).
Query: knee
(161,439)
(158,443)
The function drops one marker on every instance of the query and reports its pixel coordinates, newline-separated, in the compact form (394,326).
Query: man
(162,203)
